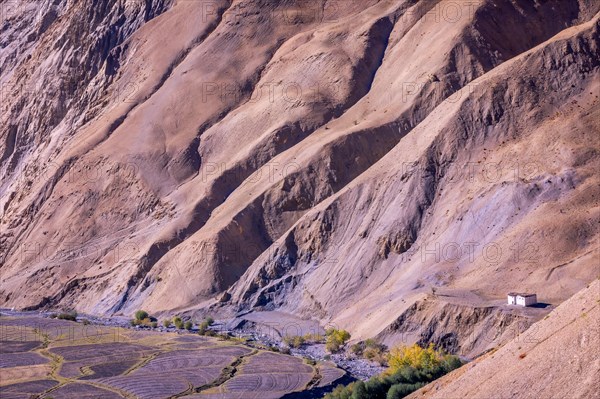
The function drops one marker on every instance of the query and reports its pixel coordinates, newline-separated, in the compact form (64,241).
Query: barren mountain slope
(323,158)
(558,357)
(461,203)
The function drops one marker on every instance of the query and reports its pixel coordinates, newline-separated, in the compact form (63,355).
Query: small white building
(521,299)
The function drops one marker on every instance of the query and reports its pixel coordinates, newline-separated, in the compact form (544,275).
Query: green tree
(141,315)
(359,391)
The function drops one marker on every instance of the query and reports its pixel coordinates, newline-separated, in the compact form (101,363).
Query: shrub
(188,325)
(203,327)
(224,336)
(178,322)
(154,324)
(294,342)
(210,333)
(370,349)
(376,355)
(85,322)
(141,315)
(166,323)
(336,339)
(72,316)
(357,349)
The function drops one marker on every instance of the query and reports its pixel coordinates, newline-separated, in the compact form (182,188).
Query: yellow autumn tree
(414,356)
(336,339)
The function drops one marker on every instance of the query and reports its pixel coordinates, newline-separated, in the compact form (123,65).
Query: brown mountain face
(372,164)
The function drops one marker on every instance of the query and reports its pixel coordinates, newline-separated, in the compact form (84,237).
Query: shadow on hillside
(540,305)
(316,393)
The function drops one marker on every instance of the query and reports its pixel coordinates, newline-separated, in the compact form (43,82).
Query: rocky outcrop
(457,328)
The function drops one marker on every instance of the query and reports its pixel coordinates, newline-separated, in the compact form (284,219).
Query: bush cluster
(142,318)
(71,316)
(371,350)
(178,322)
(296,341)
(336,339)
(410,369)
(203,328)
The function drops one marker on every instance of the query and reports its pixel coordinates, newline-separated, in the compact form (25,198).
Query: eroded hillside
(527,366)
(345,161)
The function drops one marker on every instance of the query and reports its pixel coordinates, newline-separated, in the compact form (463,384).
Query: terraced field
(83,391)
(265,375)
(24,390)
(46,358)
(8,360)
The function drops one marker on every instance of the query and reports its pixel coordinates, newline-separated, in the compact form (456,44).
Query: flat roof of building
(523,295)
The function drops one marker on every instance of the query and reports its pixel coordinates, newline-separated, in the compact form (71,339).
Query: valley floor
(60,359)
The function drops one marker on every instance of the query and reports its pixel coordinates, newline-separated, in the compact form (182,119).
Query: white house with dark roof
(522,299)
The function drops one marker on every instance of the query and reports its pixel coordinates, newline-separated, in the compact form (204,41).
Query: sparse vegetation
(294,341)
(188,325)
(410,369)
(166,323)
(203,327)
(336,339)
(371,350)
(142,318)
(224,336)
(178,322)
(71,316)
